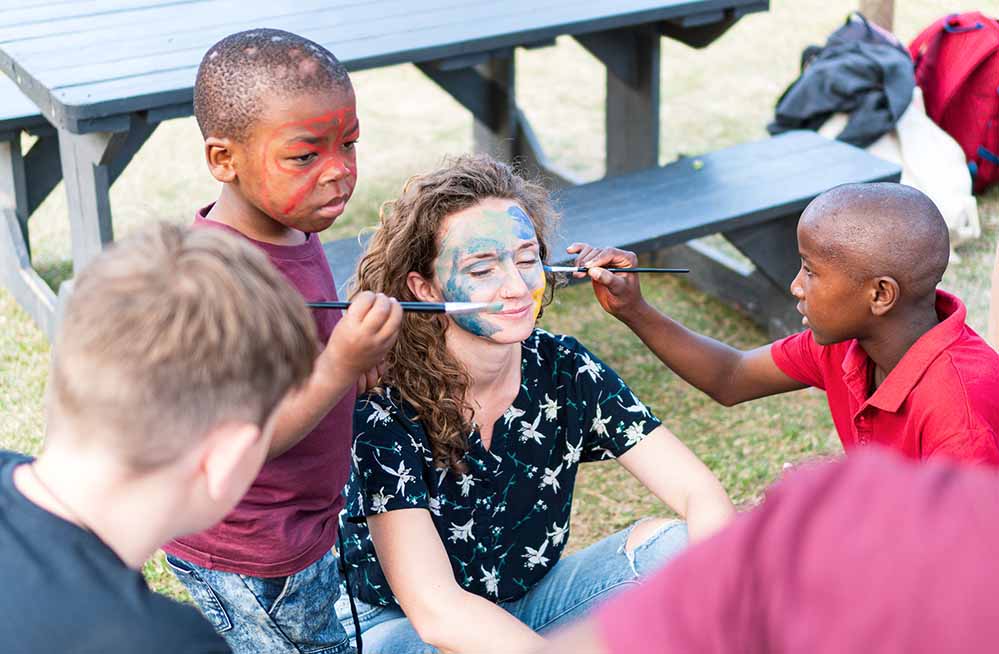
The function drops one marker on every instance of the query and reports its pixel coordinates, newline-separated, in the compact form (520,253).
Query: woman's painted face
(490,253)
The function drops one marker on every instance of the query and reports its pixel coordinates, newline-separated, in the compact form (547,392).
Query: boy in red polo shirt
(898,363)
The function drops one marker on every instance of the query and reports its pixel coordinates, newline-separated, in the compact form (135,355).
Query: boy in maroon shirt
(898,363)
(278,115)
(871,554)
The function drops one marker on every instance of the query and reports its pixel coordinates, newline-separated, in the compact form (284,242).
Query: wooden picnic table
(104,73)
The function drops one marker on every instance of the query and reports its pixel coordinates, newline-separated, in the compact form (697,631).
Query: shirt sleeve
(612,418)
(797,356)
(389,455)
(974,446)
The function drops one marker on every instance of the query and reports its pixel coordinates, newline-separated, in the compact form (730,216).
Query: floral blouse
(505,521)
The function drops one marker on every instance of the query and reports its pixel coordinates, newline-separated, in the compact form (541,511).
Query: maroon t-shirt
(941,400)
(288,518)
(872,554)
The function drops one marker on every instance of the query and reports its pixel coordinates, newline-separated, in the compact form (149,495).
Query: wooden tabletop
(89,63)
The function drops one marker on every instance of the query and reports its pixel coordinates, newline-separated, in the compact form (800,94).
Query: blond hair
(419,366)
(170,333)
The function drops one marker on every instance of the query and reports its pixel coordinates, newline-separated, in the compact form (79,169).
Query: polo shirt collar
(901,380)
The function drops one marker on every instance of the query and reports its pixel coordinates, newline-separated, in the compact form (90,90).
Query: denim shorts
(278,615)
(571,588)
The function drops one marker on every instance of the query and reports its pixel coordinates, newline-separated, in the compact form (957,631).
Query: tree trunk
(879,12)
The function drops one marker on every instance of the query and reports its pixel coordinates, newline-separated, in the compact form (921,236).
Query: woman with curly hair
(466,455)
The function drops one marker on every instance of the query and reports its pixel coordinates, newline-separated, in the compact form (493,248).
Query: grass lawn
(711,98)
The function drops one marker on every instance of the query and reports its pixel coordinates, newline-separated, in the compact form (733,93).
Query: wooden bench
(751,193)
(40,165)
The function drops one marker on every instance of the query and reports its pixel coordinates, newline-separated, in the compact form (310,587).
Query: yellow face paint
(538,295)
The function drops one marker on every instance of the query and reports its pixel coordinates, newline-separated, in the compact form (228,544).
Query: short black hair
(883,228)
(242,68)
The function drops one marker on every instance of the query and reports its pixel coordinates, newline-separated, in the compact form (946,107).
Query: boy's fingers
(379,312)
(392,323)
(360,304)
(576,247)
(613,283)
(611,258)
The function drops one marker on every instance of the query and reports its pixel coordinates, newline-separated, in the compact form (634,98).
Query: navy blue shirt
(64,590)
(505,522)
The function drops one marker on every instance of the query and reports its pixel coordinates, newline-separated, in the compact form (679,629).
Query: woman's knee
(645,530)
(651,543)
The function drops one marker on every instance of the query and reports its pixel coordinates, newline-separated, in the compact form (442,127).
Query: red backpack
(957,66)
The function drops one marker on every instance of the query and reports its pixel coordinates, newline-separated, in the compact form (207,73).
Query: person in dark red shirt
(869,554)
(898,363)
(279,119)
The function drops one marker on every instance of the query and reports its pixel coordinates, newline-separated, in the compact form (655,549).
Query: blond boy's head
(168,335)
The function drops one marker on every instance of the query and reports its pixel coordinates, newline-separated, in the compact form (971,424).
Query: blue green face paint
(483,248)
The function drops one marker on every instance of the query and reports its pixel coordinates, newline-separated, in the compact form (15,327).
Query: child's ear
(422,288)
(886,295)
(231,459)
(218,154)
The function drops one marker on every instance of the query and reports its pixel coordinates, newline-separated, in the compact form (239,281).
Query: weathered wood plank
(83,92)
(16,110)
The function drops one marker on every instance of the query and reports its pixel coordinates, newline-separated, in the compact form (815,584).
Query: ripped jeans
(280,615)
(571,588)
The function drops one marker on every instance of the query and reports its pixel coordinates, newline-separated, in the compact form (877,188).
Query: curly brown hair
(419,366)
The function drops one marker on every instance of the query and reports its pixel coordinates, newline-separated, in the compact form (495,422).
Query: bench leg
(30,291)
(90,163)
(762,290)
(495,130)
(42,168)
(487,90)
(631,57)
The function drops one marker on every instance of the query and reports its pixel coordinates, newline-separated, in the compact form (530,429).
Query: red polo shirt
(942,399)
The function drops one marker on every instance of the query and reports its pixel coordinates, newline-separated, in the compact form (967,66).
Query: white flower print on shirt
(599,425)
(636,406)
(434,504)
(511,414)
(466,482)
(535,556)
(491,580)
(550,407)
(529,431)
(590,367)
(379,500)
(550,478)
(402,474)
(461,532)
(574,453)
(558,533)
(379,414)
(634,433)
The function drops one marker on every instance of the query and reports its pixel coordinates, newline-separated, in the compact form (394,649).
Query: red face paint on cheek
(285,188)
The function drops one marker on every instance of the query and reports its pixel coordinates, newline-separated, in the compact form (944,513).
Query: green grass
(712,98)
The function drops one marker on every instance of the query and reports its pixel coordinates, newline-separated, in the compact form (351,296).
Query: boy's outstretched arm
(728,375)
(357,345)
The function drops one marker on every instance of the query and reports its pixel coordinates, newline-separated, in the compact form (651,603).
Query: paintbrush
(453,308)
(583,269)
